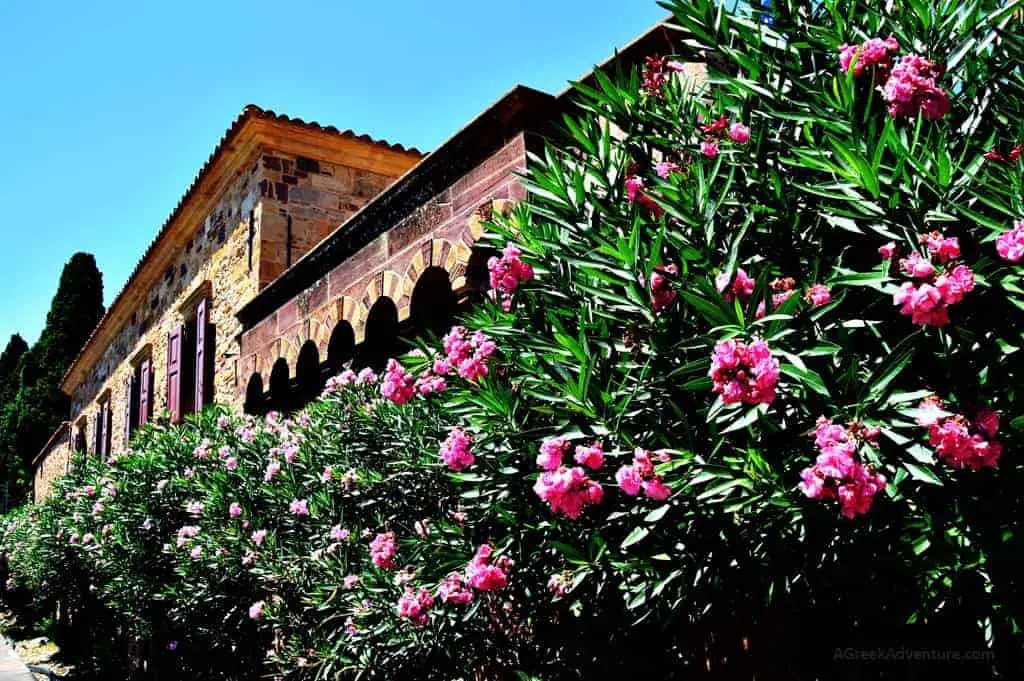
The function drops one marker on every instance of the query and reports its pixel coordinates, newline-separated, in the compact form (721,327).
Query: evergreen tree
(16,347)
(39,406)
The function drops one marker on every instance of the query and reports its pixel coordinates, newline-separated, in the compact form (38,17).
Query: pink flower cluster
(299,507)
(1010,244)
(662,291)
(413,606)
(744,373)
(568,490)
(636,193)
(507,273)
(398,385)
(454,590)
(742,286)
(836,474)
(720,129)
(465,353)
(876,53)
(959,441)
(383,549)
(783,290)
(185,533)
(657,71)
(349,378)
(927,299)
(456,450)
(483,574)
(640,476)
(911,89)
(818,295)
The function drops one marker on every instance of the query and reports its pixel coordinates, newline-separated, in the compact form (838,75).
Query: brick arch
(288,348)
(321,323)
(388,284)
(354,312)
(442,253)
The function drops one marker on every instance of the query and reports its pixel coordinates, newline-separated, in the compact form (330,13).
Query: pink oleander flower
(484,575)
(640,476)
(887,251)
(248,558)
(256,610)
(662,291)
(837,475)
(398,385)
(422,527)
(87,538)
(911,89)
(258,536)
(717,127)
(568,490)
(194,508)
(875,54)
(235,509)
(657,71)
(366,376)
(739,133)
(383,550)
(338,533)
(592,457)
(299,507)
(290,450)
(1010,244)
(819,295)
(413,606)
(189,473)
(742,285)
(196,553)
(351,581)
(744,373)
(552,452)
(962,442)
(273,468)
(231,463)
(664,169)
(203,450)
(507,273)
(223,421)
(327,474)
(453,590)
(467,353)
(456,450)
(709,149)
(430,383)
(559,584)
(942,247)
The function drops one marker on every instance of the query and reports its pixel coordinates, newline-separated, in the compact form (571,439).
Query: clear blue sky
(110,108)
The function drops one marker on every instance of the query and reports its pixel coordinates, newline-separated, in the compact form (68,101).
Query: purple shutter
(129,391)
(174,373)
(108,427)
(202,318)
(144,391)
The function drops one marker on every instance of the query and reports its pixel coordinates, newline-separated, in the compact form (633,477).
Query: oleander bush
(741,403)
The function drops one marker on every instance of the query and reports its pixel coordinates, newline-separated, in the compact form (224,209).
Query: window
(139,405)
(190,363)
(101,431)
(80,439)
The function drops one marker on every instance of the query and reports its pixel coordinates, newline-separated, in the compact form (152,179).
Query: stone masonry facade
(267,214)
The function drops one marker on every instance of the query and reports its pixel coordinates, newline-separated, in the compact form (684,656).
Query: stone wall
(236,250)
(440,233)
(52,462)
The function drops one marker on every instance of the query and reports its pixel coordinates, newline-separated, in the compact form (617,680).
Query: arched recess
(478,278)
(341,346)
(433,305)
(381,339)
(280,397)
(307,372)
(255,402)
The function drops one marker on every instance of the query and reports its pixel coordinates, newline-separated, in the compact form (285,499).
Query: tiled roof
(250,112)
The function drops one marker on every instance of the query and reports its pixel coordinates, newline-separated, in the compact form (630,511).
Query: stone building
(299,250)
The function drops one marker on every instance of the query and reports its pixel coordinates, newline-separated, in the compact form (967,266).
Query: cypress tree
(16,347)
(39,406)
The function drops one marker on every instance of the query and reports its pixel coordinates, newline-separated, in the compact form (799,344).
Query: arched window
(341,346)
(254,399)
(307,372)
(433,305)
(381,340)
(280,388)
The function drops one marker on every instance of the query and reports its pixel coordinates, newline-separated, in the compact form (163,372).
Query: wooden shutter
(145,391)
(174,339)
(97,434)
(129,396)
(108,427)
(202,319)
